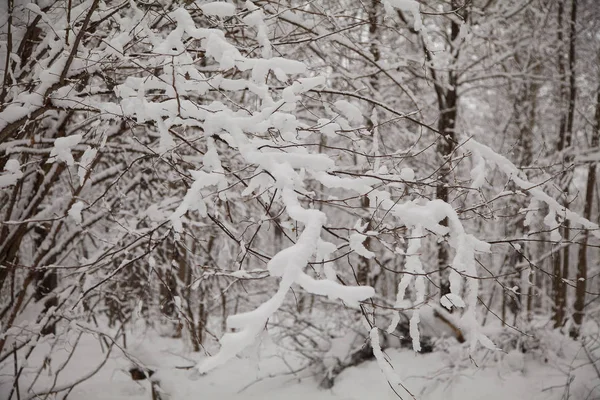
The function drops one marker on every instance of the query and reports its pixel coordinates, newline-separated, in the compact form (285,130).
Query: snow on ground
(440,375)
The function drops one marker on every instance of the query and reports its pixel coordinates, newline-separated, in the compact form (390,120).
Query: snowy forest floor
(264,373)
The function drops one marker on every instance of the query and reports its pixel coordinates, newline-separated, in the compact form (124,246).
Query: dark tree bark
(447,98)
(568,92)
(364,265)
(582,264)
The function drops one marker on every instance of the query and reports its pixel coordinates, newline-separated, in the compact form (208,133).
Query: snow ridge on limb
(383,363)
(503,164)
(411,6)
(288,265)
(428,215)
(413,265)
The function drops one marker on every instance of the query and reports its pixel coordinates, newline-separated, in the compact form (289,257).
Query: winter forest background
(351,199)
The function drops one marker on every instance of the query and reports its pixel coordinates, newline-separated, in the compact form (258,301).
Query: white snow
(356,244)
(62,149)
(75,211)
(218,9)
(84,163)
(12,175)
(445,374)
(348,110)
(350,295)
(194,198)
(382,362)
(407,174)
(255,18)
(411,6)
(515,361)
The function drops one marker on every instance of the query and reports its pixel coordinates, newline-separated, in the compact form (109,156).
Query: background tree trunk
(568,92)
(582,264)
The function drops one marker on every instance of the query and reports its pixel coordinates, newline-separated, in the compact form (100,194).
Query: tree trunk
(565,139)
(364,265)
(587,213)
(447,98)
